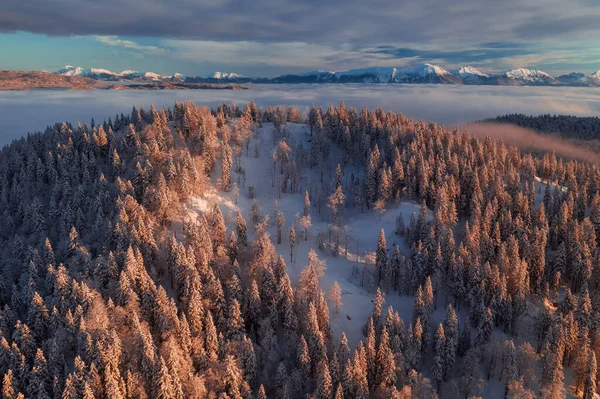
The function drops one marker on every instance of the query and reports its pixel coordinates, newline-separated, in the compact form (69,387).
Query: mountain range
(423,74)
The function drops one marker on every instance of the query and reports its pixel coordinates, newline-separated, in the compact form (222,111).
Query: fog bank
(530,140)
(22,112)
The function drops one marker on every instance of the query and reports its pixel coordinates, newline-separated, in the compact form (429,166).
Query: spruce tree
(381,257)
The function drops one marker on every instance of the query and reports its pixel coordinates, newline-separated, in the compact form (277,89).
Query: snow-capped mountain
(105,74)
(426,73)
(366,75)
(572,78)
(224,76)
(93,73)
(423,74)
(523,76)
(594,78)
(472,75)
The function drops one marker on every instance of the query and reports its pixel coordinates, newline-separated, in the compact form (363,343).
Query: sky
(272,37)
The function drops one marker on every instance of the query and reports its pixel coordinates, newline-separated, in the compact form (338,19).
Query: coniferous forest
(141,257)
(565,126)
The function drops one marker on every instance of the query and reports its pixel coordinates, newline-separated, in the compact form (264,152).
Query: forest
(138,259)
(565,126)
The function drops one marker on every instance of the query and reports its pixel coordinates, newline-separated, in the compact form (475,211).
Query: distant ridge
(424,74)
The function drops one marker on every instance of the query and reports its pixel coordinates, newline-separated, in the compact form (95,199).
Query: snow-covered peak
(431,69)
(152,75)
(377,74)
(576,75)
(223,75)
(469,71)
(317,73)
(527,74)
(69,70)
(100,71)
(129,72)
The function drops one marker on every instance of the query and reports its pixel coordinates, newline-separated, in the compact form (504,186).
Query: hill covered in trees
(140,258)
(565,126)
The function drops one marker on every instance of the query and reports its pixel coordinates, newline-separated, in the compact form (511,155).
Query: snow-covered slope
(105,74)
(523,76)
(571,78)
(94,73)
(594,78)
(224,75)
(470,71)
(579,79)
(69,70)
(363,230)
(427,73)
(471,75)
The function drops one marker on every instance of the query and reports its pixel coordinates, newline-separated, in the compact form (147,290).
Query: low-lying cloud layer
(22,112)
(530,140)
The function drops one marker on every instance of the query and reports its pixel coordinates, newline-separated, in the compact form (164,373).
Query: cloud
(435,24)
(292,55)
(128,44)
(528,139)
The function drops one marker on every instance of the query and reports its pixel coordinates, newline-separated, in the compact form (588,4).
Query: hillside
(246,252)
(20,80)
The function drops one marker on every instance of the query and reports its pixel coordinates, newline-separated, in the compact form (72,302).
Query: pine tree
(303,357)
(211,339)
(464,341)
(8,385)
(589,390)
(516,390)
(339,392)
(305,220)
(280,221)
(381,257)
(400,228)
(484,330)
(452,337)
(225,178)
(292,240)
(335,296)
(261,394)
(324,386)
(438,370)
(241,230)
(377,307)
(509,362)
(235,323)
(218,229)
(39,379)
(336,199)
(386,366)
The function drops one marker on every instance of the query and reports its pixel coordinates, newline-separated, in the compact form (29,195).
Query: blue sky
(271,37)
